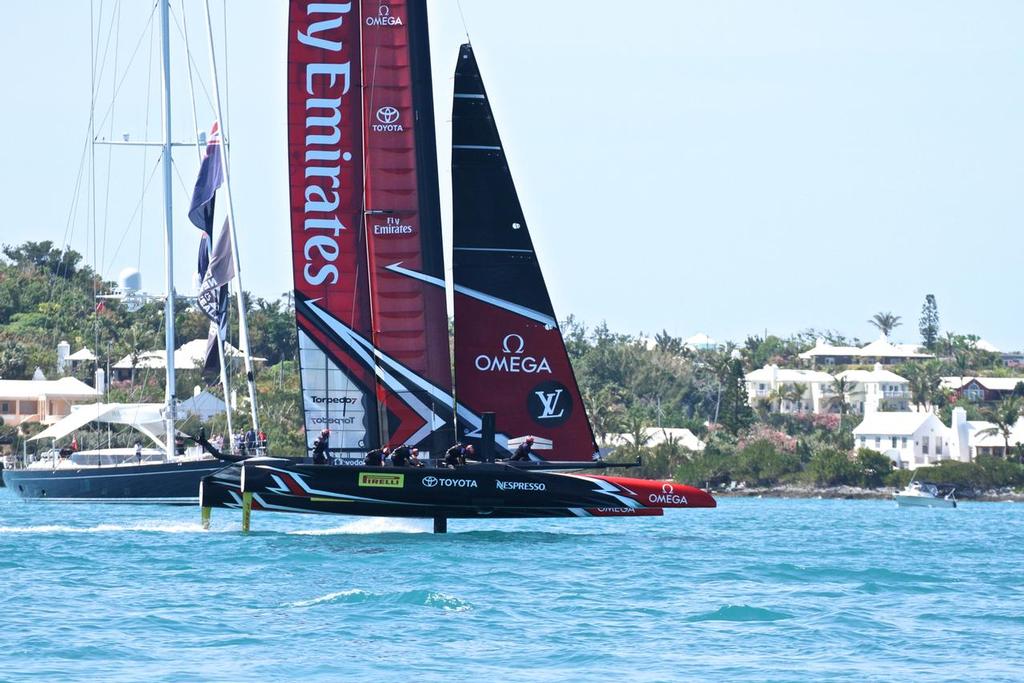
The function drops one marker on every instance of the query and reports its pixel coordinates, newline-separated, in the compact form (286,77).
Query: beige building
(41,400)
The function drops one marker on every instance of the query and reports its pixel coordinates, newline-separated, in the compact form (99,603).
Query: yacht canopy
(145,417)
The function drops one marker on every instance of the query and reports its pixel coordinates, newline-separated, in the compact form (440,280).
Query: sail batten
(510,358)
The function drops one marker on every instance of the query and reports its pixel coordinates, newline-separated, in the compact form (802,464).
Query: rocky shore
(857,493)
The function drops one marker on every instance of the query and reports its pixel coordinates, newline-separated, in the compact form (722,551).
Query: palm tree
(886,322)
(794,393)
(841,388)
(924,380)
(1004,415)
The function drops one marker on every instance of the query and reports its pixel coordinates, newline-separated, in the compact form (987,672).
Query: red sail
(410,324)
(373,343)
(325,158)
(509,354)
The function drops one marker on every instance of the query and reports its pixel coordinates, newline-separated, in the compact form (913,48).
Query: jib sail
(374,359)
(509,354)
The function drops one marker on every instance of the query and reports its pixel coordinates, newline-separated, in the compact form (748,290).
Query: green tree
(839,401)
(735,413)
(1004,416)
(929,324)
(885,322)
(925,381)
(874,467)
(794,393)
(760,463)
(832,467)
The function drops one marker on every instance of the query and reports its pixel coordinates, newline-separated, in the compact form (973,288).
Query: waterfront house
(912,440)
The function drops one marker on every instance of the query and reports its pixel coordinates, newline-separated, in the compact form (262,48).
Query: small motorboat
(920,494)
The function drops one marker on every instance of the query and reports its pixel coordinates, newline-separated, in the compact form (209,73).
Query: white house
(872,387)
(771,380)
(700,342)
(654,436)
(188,356)
(912,440)
(203,405)
(879,351)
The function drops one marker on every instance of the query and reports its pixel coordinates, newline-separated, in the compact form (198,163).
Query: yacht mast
(243,321)
(165,59)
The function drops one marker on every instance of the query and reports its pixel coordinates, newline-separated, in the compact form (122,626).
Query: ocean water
(755,590)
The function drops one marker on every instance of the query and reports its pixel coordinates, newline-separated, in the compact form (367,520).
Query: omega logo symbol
(513,343)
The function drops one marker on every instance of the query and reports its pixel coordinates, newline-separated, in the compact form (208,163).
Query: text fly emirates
(326,86)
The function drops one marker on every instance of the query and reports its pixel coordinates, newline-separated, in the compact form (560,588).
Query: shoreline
(852,493)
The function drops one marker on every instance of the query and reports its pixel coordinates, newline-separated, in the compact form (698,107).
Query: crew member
(455,456)
(468,453)
(375,458)
(320,447)
(250,442)
(138,451)
(401,456)
(261,442)
(414,458)
(523,452)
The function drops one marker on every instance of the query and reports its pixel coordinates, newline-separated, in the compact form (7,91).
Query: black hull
(478,491)
(164,483)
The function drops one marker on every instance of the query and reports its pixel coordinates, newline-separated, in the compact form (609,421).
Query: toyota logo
(513,343)
(430,482)
(387,114)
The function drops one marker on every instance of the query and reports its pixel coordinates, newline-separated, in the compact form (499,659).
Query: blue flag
(211,177)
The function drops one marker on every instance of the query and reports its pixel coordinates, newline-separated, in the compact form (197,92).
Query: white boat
(919,494)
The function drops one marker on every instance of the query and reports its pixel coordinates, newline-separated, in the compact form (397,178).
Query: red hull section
(663,494)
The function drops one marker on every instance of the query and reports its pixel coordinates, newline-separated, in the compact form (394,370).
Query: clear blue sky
(719,165)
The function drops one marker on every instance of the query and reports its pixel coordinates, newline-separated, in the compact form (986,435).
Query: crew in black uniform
(523,452)
(320,447)
(455,456)
(374,458)
(400,458)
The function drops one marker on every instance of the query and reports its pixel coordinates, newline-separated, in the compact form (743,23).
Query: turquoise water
(759,590)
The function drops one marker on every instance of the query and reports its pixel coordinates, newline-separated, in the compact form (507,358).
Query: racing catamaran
(370,300)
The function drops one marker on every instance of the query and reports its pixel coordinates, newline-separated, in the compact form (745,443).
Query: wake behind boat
(370,301)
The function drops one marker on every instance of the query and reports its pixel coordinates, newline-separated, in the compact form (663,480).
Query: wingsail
(363,176)
(510,357)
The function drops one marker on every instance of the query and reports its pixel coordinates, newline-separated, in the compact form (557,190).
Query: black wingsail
(509,354)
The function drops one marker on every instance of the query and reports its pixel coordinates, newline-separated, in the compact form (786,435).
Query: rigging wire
(139,205)
(462,16)
(227,81)
(93,30)
(192,66)
(131,60)
(116,21)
